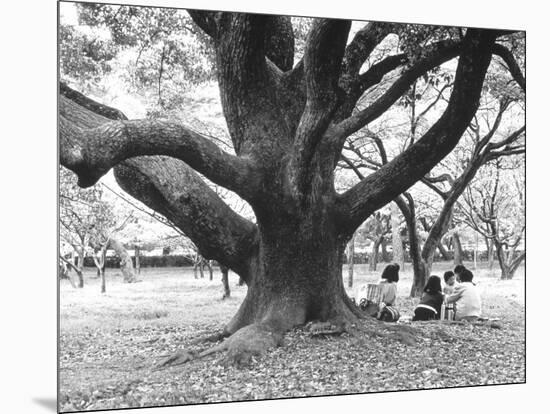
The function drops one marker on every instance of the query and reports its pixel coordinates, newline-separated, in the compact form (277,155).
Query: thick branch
(511,62)
(247,89)
(360,48)
(92,152)
(403,171)
(217,231)
(279,42)
(322,63)
(206,20)
(173,189)
(435,56)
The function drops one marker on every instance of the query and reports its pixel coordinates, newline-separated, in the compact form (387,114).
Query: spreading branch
(91,152)
(170,187)
(410,166)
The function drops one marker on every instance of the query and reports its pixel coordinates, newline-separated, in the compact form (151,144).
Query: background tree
(288,125)
(494,206)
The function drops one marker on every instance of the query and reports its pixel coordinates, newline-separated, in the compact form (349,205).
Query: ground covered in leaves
(110,343)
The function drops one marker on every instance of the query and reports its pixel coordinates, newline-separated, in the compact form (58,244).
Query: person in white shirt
(467,298)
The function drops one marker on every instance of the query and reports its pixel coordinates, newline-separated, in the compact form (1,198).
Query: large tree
(288,124)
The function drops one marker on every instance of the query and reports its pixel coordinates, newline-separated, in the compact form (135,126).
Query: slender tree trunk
(225,282)
(63,273)
(209,264)
(351,259)
(373,262)
(196,266)
(137,253)
(444,253)
(103,281)
(240,282)
(457,249)
(383,247)
(490,252)
(397,242)
(80,267)
(125,261)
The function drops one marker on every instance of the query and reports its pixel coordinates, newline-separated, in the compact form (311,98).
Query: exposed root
(215,337)
(179,358)
(249,341)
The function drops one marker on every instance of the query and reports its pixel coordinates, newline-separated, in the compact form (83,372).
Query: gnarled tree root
(247,342)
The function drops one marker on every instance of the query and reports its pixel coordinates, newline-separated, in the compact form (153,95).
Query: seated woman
(388,293)
(388,284)
(467,298)
(430,304)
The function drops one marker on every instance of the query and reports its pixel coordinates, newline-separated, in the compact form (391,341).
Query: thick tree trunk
(397,242)
(351,259)
(298,278)
(225,282)
(125,261)
(457,249)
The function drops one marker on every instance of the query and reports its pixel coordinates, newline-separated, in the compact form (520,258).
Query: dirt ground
(109,344)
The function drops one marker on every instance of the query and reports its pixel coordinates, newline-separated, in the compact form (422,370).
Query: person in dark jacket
(431,301)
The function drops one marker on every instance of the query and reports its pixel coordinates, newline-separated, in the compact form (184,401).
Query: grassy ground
(110,342)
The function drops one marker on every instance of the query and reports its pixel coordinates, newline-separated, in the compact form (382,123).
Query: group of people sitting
(459,298)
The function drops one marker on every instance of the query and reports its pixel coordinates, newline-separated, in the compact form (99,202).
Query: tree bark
(351,259)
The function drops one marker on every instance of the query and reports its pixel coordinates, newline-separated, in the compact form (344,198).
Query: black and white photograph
(259,206)
(277,208)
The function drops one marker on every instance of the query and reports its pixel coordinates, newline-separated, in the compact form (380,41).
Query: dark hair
(391,273)
(433,285)
(459,269)
(447,275)
(466,276)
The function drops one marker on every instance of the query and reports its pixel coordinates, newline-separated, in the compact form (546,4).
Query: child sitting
(450,280)
(431,301)
(450,309)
